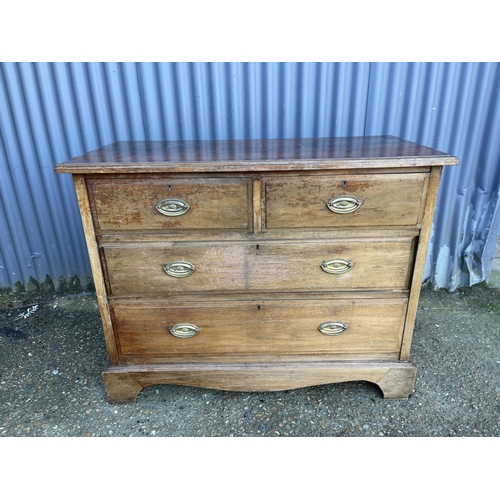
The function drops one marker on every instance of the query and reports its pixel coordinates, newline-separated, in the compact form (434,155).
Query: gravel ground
(52,353)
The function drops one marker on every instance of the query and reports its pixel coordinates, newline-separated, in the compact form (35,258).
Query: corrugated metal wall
(50,112)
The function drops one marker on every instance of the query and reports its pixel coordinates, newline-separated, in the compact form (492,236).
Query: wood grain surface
(420,258)
(260,266)
(386,200)
(97,271)
(130,204)
(123,383)
(257,230)
(270,327)
(255,155)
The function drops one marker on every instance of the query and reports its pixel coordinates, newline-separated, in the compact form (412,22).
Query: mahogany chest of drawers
(258,265)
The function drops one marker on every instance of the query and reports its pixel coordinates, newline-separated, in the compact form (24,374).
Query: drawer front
(262,266)
(269,327)
(171,204)
(352,200)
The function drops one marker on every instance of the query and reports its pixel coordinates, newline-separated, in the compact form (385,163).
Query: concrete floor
(52,352)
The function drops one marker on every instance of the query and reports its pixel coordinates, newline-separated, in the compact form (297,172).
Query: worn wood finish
(420,258)
(378,233)
(228,296)
(126,204)
(284,327)
(258,266)
(97,272)
(255,155)
(386,200)
(395,379)
(257,204)
(257,231)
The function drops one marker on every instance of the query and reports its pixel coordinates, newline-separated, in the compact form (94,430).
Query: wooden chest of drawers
(258,265)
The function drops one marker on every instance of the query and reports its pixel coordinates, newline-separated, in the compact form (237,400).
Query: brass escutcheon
(179,269)
(333,328)
(184,330)
(344,204)
(172,207)
(336,266)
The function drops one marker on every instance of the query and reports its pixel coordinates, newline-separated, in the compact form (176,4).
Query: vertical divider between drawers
(257,204)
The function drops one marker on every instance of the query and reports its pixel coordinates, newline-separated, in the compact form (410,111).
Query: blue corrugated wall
(50,112)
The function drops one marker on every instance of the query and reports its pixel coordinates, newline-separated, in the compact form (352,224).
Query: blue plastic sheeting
(50,112)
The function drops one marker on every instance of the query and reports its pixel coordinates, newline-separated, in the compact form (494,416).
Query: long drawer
(157,269)
(159,204)
(344,201)
(350,327)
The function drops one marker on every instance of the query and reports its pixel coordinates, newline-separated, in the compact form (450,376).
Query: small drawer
(345,327)
(157,269)
(351,201)
(156,204)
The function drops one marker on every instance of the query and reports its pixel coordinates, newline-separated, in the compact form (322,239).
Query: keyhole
(258,308)
(170,187)
(257,247)
(344,184)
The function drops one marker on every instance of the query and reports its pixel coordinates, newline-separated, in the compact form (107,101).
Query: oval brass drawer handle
(336,266)
(344,204)
(184,330)
(333,328)
(172,207)
(179,269)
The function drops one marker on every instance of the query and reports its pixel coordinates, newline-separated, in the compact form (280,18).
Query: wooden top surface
(255,155)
